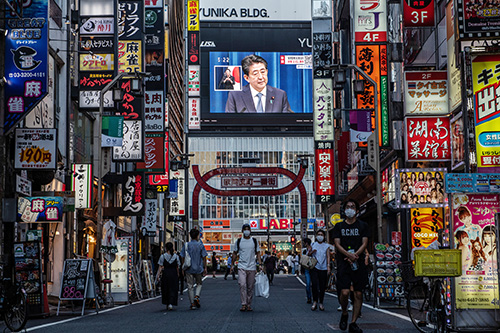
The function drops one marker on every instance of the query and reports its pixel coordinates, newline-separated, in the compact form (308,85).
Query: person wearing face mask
(351,239)
(247,249)
(319,274)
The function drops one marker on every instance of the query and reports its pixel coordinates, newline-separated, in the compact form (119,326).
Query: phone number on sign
(16,75)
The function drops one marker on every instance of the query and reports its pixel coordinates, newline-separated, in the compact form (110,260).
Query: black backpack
(238,245)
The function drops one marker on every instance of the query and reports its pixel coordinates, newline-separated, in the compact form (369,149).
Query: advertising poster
(120,270)
(457,141)
(178,205)
(427,138)
(29,274)
(193,15)
(389,282)
(26,60)
(418,13)
(372,59)
(478,18)
(323,110)
(418,188)
(39,209)
(425,224)
(36,149)
(472,183)
(475,234)
(370,21)
(324,164)
(426,93)
(487,111)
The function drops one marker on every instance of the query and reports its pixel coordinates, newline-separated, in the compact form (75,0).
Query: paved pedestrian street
(284,311)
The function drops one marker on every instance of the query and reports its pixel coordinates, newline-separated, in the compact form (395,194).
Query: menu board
(387,274)
(28,261)
(75,278)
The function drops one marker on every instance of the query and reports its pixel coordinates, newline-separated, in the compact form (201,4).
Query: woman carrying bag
(320,272)
(169,264)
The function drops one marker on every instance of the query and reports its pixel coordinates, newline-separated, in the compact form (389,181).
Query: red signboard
(428,139)
(279,224)
(161,182)
(153,154)
(217,247)
(418,13)
(396,238)
(216,224)
(249,181)
(325,188)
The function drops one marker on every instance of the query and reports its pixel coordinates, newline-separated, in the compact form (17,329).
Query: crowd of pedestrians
(350,238)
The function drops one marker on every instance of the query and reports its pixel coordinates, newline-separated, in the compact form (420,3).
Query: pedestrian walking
(351,238)
(229,266)
(182,277)
(169,270)
(296,265)
(270,265)
(198,268)
(320,272)
(247,249)
(306,243)
(214,265)
(289,261)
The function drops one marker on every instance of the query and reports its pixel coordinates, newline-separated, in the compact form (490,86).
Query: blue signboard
(26,61)
(40,209)
(472,183)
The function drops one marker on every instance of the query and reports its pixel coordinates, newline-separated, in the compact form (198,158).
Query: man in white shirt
(247,249)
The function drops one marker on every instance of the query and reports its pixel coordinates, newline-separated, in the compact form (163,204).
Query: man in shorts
(351,239)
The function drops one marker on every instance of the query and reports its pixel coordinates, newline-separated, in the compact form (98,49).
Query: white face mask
(320,239)
(246,233)
(350,213)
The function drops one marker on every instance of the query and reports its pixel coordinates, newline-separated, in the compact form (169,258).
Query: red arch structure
(296,183)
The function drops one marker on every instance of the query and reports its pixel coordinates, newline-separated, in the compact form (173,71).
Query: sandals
(314,306)
(249,309)
(243,308)
(321,307)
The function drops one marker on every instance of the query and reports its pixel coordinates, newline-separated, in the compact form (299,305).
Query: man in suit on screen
(257,96)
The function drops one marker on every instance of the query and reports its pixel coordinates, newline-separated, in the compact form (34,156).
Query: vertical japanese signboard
(194,80)
(177,205)
(193,15)
(485,82)
(418,13)
(322,55)
(457,141)
(324,162)
(148,227)
(454,84)
(323,110)
(428,139)
(372,59)
(370,21)
(132,146)
(194,112)
(133,194)
(425,224)
(82,182)
(26,61)
(475,234)
(426,93)
(154,154)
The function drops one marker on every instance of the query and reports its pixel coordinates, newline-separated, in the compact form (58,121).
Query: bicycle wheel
(369,288)
(423,317)
(16,311)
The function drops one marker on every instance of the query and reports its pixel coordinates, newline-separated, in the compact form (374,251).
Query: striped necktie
(259,103)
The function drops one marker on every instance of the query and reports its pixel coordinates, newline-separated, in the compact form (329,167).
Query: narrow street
(284,311)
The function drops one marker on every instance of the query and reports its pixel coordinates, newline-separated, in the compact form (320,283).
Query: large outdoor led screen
(226,96)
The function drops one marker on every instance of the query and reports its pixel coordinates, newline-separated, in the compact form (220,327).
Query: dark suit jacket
(242,101)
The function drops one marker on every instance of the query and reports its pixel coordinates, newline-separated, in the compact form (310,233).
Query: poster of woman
(474,230)
(420,188)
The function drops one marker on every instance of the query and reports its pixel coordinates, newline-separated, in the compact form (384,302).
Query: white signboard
(323,110)
(257,10)
(89,99)
(97,26)
(133,142)
(370,21)
(148,227)
(177,205)
(194,113)
(426,93)
(194,82)
(120,270)
(23,186)
(42,115)
(82,185)
(154,112)
(36,149)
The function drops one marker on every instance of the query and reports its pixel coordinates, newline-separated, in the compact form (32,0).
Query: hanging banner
(112,131)
(418,188)
(26,61)
(426,93)
(324,163)
(153,154)
(487,111)
(148,227)
(370,21)
(36,149)
(457,141)
(161,182)
(177,205)
(82,183)
(360,125)
(372,59)
(39,209)
(323,110)
(427,138)
(475,234)
(418,13)
(425,224)
(133,145)
(133,194)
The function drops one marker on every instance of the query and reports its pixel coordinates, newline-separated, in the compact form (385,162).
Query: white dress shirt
(256,98)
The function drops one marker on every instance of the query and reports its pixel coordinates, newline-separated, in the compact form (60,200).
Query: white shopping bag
(261,285)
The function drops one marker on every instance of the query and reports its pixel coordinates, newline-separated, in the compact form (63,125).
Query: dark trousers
(270,275)
(228,269)
(319,280)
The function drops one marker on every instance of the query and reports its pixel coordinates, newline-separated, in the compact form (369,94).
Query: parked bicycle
(370,287)
(13,305)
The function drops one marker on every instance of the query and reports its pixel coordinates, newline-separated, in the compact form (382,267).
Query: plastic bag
(261,285)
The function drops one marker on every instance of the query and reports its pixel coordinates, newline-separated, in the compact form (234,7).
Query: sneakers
(170,307)
(343,322)
(354,328)
(349,308)
(197,301)
(193,306)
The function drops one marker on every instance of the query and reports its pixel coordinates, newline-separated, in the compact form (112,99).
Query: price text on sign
(35,155)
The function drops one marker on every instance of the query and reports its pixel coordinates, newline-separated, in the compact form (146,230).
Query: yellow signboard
(193,15)
(425,223)
(97,62)
(130,56)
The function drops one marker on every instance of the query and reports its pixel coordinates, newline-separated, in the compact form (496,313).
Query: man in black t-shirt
(351,238)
